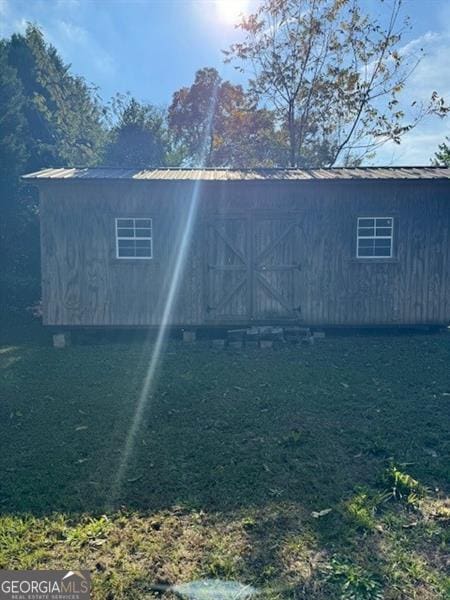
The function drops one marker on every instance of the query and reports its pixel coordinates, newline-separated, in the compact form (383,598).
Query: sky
(150,48)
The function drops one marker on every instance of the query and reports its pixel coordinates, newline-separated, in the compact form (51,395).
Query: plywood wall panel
(84,284)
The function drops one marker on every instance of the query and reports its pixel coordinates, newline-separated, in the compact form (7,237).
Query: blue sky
(151,48)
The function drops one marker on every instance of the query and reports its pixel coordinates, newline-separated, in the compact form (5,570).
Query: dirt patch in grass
(235,463)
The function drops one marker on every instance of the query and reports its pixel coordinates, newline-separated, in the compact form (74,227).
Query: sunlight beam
(156,356)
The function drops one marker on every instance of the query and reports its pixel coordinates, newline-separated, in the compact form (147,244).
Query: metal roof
(177,174)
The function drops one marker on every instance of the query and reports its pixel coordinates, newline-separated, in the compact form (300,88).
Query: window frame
(390,237)
(119,237)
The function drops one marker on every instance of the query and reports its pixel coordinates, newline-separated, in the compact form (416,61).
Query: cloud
(10,21)
(431,74)
(73,40)
(63,26)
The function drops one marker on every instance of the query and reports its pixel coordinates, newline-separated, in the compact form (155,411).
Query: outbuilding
(219,247)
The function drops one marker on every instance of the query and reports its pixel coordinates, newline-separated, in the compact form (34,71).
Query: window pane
(383,252)
(125,232)
(125,222)
(366,242)
(382,243)
(366,231)
(143,252)
(366,222)
(365,252)
(143,222)
(143,232)
(384,231)
(128,252)
(384,222)
(143,243)
(127,243)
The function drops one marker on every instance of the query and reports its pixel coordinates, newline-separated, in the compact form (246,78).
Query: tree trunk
(292,136)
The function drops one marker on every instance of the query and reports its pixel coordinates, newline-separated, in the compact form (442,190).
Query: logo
(45,585)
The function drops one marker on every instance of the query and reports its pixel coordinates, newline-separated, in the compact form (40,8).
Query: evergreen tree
(139,138)
(48,117)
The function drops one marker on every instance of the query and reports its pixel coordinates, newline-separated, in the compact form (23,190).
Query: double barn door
(253,268)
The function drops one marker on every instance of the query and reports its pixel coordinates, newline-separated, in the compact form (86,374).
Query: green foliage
(91,531)
(49,118)
(63,114)
(139,138)
(363,507)
(442,156)
(402,486)
(353,582)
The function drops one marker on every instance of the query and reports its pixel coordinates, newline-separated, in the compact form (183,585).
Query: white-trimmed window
(375,237)
(134,237)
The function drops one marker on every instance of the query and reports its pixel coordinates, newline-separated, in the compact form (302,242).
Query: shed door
(276,268)
(228,270)
(252,268)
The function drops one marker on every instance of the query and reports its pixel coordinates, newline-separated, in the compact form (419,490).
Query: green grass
(235,452)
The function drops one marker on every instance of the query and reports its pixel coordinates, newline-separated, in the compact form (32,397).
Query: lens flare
(230,11)
(148,385)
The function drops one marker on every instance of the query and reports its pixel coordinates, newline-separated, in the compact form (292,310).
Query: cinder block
(251,344)
(253,334)
(236,344)
(265,344)
(236,335)
(276,334)
(61,340)
(189,336)
(319,335)
(218,344)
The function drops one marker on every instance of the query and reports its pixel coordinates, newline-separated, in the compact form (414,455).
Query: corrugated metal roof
(176,174)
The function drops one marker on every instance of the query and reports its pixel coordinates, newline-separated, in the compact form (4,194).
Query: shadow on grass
(221,430)
(234,452)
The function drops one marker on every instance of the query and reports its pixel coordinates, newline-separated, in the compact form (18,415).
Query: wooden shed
(217,247)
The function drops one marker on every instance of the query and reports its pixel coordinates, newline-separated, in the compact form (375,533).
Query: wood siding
(258,252)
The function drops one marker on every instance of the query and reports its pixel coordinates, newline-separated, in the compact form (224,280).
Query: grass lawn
(236,455)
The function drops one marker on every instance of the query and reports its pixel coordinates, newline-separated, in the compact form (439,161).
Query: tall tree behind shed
(442,156)
(333,73)
(50,117)
(217,124)
(139,137)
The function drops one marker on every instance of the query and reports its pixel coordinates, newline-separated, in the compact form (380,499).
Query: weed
(353,582)
(402,486)
(363,506)
(92,531)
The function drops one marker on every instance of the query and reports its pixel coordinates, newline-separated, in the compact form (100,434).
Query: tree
(217,124)
(332,73)
(442,156)
(139,138)
(48,117)
(64,115)
(13,157)
(248,138)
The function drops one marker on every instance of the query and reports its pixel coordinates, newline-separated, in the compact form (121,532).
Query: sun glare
(230,11)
